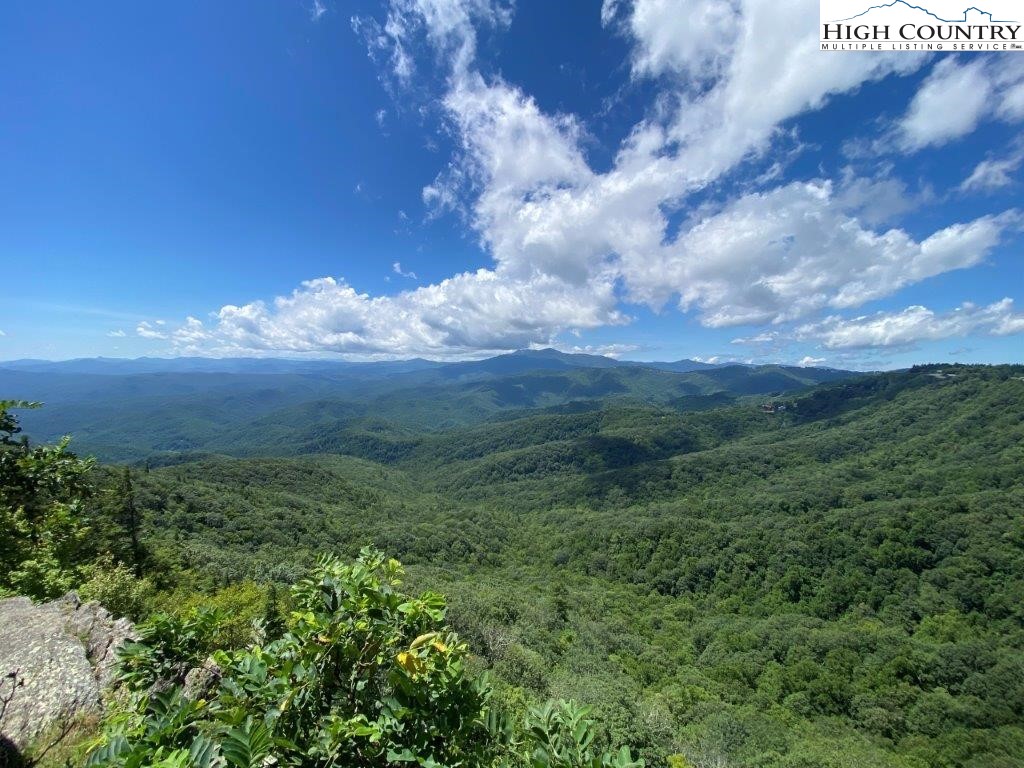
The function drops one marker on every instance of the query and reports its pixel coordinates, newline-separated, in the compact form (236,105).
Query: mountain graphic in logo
(909,6)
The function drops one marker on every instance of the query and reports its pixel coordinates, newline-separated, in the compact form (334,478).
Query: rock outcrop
(61,656)
(201,682)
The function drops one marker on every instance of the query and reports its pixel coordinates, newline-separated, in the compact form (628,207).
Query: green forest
(725,568)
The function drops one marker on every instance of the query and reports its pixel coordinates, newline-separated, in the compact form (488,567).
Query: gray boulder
(60,656)
(201,682)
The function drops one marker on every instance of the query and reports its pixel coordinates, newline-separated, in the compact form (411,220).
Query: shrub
(363,676)
(117,589)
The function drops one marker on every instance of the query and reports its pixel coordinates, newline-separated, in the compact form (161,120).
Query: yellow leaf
(410,663)
(422,639)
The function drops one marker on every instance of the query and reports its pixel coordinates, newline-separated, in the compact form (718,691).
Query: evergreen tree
(130,520)
(273,620)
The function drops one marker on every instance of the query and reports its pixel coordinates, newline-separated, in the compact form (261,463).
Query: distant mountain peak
(544,352)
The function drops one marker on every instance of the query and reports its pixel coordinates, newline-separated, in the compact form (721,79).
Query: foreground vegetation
(837,584)
(358,675)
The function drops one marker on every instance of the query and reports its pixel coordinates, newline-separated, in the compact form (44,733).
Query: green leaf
(405,756)
(245,747)
(109,753)
(205,753)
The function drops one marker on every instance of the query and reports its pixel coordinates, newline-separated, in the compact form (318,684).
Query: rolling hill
(833,584)
(833,580)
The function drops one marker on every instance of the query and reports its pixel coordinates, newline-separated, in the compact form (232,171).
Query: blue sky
(654,179)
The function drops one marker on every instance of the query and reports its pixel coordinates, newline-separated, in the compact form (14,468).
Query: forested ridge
(729,574)
(126,411)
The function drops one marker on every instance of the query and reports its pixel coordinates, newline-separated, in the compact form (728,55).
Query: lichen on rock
(62,655)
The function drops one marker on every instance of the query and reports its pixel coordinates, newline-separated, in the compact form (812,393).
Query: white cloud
(318,10)
(809,362)
(1011,106)
(193,332)
(682,36)
(540,207)
(539,188)
(914,324)
(606,350)
(763,85)
(956,97)
(878,200)
(467,314)
(448,25)
(397,269)
(949,104)
(444,194)
(993,173)
(118,334)
(610,10)
(1009,83)
(784,254)
(524,162)
(766,337)
(147,331)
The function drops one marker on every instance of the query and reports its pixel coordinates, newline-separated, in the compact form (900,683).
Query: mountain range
(123,410)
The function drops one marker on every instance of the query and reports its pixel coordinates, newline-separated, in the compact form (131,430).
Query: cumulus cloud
(956,97)
(767,257)
(914,324)
(147,331)
(118,334)
(949,104)
(536,190)
(681,36)
(762,86)
(540,207)
(783,254)
(810,362)
(471,313)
